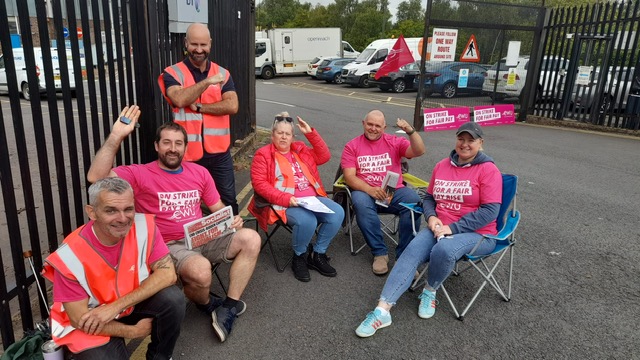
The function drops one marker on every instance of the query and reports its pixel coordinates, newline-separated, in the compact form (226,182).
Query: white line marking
(275,102)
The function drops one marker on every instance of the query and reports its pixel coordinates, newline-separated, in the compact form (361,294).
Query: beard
(171,163)
(198,58)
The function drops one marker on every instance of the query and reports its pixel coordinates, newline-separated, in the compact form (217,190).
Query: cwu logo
(195,3)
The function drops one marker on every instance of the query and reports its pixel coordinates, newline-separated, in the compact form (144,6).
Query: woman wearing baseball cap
(462,203)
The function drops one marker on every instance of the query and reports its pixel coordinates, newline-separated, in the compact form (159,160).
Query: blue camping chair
(507,222)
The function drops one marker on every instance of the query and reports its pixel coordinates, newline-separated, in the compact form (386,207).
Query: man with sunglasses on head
(365,162)
(174,190)
(203,96)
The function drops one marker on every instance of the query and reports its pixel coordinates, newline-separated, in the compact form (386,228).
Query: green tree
(408,28)
(410,10)
(276,13)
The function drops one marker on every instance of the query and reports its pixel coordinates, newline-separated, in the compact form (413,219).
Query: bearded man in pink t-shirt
(365,162)
(173,190)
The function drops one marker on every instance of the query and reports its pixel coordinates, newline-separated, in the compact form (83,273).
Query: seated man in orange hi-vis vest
(202,96)
(174,190)
(113,278)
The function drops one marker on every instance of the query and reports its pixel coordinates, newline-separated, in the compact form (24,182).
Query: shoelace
(427,296)
(370,319)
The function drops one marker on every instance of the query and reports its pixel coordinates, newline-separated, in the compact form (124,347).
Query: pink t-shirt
(372,159)
(461,190)
(303,186)
(66,290)
(174,197)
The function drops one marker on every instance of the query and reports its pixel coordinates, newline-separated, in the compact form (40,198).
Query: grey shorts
(215,251)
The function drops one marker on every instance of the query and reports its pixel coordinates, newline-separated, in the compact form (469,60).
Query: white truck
(289,51)
(357,72)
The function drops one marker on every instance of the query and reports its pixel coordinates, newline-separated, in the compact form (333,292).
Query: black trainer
(320,263)
(222,321)
(300,269)
(215,302)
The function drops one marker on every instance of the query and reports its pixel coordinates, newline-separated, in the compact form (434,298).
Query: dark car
(444,78)
(397,81)
(330,70)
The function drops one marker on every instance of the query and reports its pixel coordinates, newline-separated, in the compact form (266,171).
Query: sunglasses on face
(283,118)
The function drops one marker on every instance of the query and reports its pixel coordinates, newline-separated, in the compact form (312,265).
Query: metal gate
(600,42)
(109,54)
(493,25)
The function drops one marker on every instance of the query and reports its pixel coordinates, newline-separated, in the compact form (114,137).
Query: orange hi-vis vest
(76,259)
(285,182)
(205,132)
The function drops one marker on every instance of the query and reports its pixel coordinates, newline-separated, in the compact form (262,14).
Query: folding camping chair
(389,226)
(270,234)
(507,222)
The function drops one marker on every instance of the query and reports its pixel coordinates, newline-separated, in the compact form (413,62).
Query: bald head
(198,44)
(374,125)
(376,115)
(198,29)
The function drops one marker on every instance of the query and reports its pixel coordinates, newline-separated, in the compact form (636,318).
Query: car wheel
(338,78)
(364,81)
(449,90)
(25,91)
(399,86)
(267,73)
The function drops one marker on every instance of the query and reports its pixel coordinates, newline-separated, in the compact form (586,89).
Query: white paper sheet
(312,203)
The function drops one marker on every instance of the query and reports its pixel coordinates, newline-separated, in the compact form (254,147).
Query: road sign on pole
(65,32)
(79,30)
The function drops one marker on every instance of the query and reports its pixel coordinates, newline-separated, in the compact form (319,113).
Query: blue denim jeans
(367,218)
(304,223)
(167,308)
(220,167)
(442,257)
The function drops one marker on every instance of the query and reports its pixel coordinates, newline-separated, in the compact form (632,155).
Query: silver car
(614,94)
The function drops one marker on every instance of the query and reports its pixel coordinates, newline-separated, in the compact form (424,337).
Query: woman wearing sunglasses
(283,174)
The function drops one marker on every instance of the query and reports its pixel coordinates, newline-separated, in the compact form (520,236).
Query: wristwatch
(198,107)
(409,133)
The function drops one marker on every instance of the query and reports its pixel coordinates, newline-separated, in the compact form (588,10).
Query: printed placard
(494,115)
(445,118)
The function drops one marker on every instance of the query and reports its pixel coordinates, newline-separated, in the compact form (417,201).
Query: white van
(21,72)
(357,72)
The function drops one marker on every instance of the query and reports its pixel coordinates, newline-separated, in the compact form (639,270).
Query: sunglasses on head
(283,118)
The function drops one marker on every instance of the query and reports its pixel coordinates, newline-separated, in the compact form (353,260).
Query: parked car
(330,70)
(503,74)
(397,81)
(443,78)
(552,71)
(619,81)
(312,68)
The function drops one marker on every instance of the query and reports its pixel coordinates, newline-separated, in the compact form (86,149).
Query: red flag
(398,56)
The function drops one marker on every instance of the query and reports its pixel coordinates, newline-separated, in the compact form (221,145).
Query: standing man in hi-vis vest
(203,96)
(113,278)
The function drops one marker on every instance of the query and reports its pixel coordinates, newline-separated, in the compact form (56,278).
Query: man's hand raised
(126,122)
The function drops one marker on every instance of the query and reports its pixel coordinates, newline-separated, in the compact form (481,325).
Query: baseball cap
(472,128)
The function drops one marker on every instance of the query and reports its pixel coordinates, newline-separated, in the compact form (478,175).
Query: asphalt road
(575,292)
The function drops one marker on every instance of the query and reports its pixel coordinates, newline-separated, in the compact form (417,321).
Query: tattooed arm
(163,274)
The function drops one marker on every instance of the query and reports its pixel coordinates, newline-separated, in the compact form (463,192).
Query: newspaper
(201,231)
(389,186)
